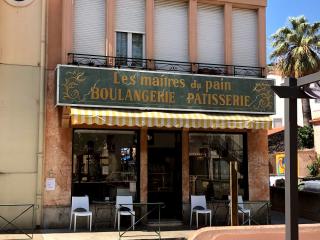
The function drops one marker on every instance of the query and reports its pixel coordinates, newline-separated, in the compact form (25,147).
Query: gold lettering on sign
(217,85)
(95,93)
(247,101)
(161,82)
(120,95)
(115,78)
(218,99)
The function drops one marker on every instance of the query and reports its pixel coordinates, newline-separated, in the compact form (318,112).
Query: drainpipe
(41,112)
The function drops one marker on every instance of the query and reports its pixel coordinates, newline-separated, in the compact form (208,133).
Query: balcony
(164,65)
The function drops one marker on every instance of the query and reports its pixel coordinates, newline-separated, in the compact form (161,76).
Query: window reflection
(210,155)
(104,163)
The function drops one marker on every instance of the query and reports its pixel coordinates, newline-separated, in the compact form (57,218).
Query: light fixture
(312,90)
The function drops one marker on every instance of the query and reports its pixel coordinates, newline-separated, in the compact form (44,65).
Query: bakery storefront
(161,136)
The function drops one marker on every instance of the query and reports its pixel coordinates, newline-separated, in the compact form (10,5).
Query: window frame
(129,43)
(116,131)
(245,160)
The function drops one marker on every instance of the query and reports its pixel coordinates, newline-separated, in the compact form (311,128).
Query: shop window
(129,45)
(210,155)
(104,164)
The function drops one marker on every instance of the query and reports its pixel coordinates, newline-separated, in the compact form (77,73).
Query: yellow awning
(169,120)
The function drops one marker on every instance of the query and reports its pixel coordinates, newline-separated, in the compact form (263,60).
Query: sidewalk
(172,235)
(65,234)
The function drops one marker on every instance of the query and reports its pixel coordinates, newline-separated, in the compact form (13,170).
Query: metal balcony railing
(164,65)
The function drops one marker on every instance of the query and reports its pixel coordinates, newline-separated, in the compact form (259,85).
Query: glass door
(164,172)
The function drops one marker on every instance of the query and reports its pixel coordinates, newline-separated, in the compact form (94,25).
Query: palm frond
(297,21)
(314,28)
(297,47)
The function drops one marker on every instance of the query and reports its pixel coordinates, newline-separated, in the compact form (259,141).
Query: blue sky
(278,12)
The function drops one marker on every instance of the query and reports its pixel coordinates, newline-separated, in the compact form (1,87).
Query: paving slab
(138,235)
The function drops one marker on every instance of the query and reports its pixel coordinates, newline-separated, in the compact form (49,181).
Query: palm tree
(297,53)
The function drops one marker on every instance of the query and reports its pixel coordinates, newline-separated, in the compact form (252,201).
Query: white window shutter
(210,34)
(89,27)
(130,16)
(171,30)
(245,37)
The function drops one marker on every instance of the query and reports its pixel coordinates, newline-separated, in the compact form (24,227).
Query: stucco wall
(20,29)
(58,148)
(58,151)
(57,162)
(19,96)
(258,165)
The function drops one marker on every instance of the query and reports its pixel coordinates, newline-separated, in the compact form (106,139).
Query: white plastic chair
(121,203)
(241,209)
(80,208)
(199,206)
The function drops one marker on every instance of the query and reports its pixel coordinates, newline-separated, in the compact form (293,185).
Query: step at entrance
(165,223)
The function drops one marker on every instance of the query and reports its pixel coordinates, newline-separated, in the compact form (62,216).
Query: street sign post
(293,90)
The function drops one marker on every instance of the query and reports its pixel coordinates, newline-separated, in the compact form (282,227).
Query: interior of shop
(210,155)
(164,172)
(104,164)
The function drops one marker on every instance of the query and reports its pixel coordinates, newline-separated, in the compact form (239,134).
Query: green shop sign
(119,88)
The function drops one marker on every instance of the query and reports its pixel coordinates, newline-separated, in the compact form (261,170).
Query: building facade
(154,98)
(22,60)
(278,117)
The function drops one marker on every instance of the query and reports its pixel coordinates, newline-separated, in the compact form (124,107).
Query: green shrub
(305,137)
(314,167)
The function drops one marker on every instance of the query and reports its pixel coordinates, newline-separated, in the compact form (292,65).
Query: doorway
(164,172)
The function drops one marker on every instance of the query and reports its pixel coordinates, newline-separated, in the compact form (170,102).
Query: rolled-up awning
(168,119)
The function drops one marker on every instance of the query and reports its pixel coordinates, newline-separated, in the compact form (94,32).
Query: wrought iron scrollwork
(164,65)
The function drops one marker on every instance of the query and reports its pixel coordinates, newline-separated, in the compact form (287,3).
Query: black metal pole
(291,172)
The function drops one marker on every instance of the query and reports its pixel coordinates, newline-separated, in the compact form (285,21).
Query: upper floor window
(210,33)
(171,30)
(129,45)
(130,30)
(245,37)
(89,27)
